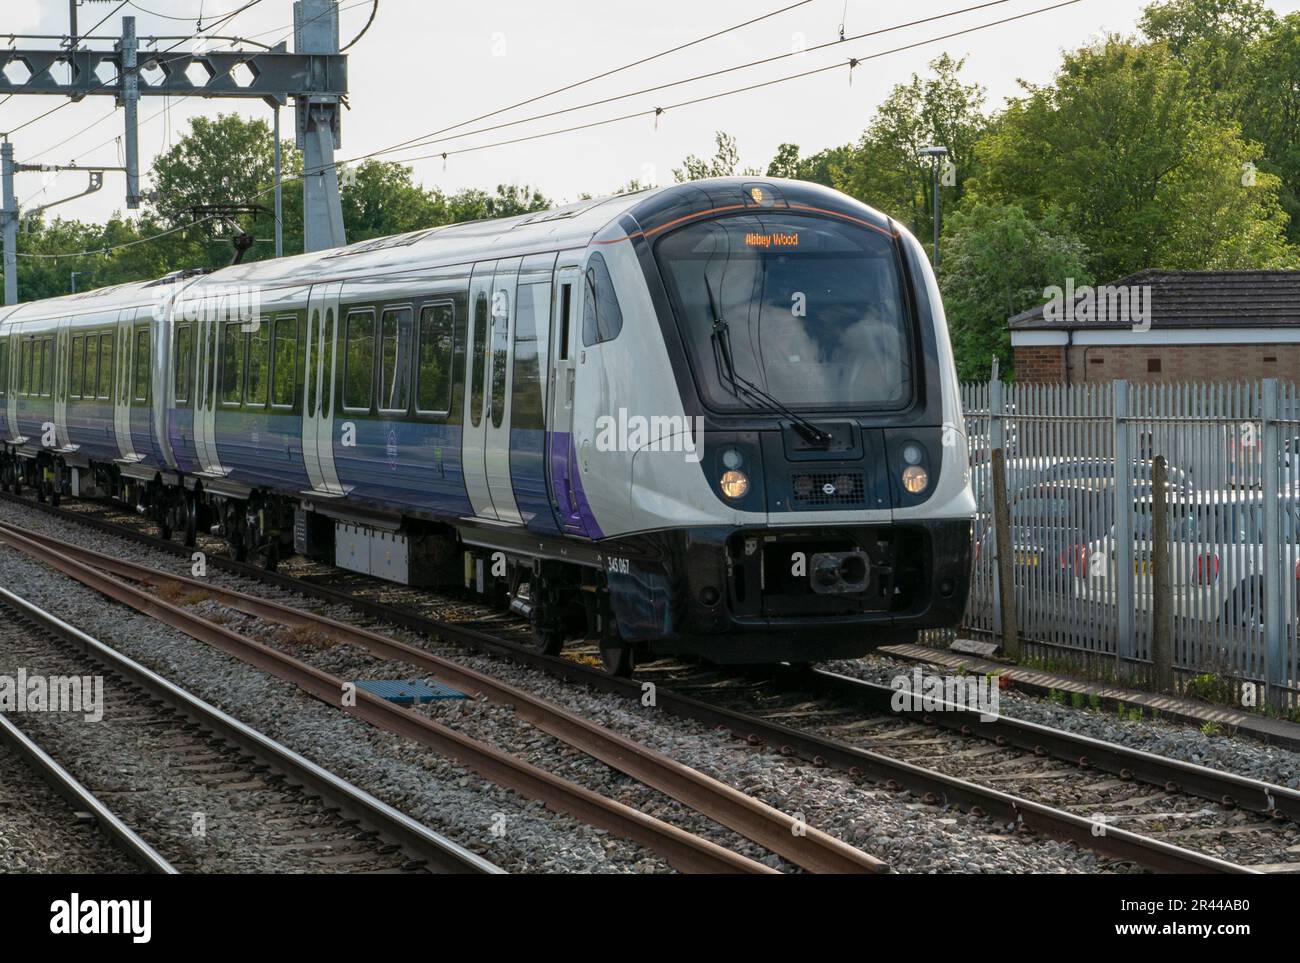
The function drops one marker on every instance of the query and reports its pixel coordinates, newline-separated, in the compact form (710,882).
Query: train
(719,418)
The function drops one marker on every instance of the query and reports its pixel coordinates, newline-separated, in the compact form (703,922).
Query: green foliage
(820,168)
(885,169)
(724,163)
(229,160)
(1135,165)
(1213,39)
(996,262)
(1212,687)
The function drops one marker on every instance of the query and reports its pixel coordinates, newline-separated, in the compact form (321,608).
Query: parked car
(1052,525)
(1216,557)
(1023,473)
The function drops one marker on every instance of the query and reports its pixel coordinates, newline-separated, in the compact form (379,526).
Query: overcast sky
(427,64)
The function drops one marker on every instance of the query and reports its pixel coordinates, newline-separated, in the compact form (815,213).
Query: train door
(140,393)
(320,376)
(122,367)
(499,372)
(6,392)
(208,335)
(477,365)
(561,459)
(62,355)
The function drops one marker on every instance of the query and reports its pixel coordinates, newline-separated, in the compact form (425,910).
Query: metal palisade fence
(1215,603)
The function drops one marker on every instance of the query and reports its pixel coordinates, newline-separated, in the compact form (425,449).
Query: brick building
(1203,326)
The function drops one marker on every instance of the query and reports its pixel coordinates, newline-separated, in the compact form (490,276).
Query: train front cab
(840,490)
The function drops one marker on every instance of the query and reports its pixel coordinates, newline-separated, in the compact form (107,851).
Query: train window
(92,367)
(395,360)
(500,354)
(124,364)
(284,362)
(601,318)
(359,376)
(232,363)
(437,343)
(47,366)
(184,359)
(531,314)
(143,365)
(566,311)
(313,354)
(4,367)
(24,366)
(105,388)
(476,361)
(816,310)
(76,366)
(259,343)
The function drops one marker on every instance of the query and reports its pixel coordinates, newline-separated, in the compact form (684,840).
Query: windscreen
(813,310)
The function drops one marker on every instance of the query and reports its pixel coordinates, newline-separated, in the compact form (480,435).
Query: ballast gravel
(519,835)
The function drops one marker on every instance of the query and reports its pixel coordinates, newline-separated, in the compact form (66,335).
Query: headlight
(915,478)
(731,458)
(734,484)
(912,453)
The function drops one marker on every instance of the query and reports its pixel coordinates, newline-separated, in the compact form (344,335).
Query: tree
(996,262)
(885,169)
(820,168)
(723,163)
(1245,62)
(472,204)
(1272,114)
(1137,166)
(379,198)
(229,160)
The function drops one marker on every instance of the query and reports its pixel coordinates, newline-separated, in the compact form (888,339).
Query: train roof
(570,226)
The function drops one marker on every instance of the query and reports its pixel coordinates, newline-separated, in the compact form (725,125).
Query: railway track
(60,826)
(181,786)
(938,755)
(806,847)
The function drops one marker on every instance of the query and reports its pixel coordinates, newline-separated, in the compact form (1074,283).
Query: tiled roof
(1196,299)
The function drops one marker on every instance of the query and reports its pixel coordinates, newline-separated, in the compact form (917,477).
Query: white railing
(1079,491)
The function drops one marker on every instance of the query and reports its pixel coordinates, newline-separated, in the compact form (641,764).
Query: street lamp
(938,152)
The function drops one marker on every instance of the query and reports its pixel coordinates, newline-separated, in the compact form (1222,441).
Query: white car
(1216,555)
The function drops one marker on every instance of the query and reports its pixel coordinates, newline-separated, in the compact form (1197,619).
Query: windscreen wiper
(722,338)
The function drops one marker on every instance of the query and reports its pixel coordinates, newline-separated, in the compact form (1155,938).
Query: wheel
(191,522)
(271,557)
(619,659)
(548,640)
(1243,608)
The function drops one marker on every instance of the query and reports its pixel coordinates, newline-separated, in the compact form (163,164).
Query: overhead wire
(850,62)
